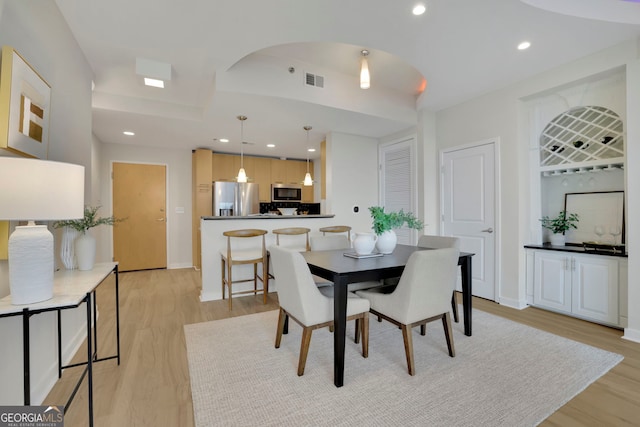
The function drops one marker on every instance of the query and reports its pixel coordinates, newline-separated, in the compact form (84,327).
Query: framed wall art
(601,217)
(25,104)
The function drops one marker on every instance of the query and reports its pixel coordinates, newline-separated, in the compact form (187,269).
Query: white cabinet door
(552,281)
(595,288)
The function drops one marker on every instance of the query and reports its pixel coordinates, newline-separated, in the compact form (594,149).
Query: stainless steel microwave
(286,193)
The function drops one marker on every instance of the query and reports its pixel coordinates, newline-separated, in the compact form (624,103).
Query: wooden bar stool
(245,255)
(337,229)
(293,231)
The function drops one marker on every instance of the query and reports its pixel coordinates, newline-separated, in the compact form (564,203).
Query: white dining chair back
(439,242)
(301,300)
(421,296)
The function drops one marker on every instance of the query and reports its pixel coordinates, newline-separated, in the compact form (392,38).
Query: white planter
(67,248)
(387,242)
(85,251)
(557,239)
(363,243)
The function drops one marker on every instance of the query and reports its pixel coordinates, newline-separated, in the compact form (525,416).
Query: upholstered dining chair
(336,229)
(422,296)
(439,242)
(301,300)
(244,254)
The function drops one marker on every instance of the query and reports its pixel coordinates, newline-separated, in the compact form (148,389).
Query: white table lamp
(36,190)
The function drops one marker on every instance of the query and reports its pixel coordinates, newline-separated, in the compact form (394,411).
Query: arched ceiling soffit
(333,61)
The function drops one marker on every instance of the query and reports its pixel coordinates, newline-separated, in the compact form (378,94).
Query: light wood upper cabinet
(262,176)
(224,167)
(278,171)
(295,172)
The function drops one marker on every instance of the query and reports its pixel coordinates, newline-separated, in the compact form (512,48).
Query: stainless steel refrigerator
(235,199)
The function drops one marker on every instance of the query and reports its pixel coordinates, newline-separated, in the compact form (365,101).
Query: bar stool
(337,229)
(293,231)
(244,255)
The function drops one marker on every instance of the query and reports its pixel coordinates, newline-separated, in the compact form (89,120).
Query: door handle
(160,219)
(488,230)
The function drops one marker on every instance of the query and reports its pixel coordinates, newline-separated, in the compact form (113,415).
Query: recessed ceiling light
(154,82)
(524,45)
(419,9)
(271,145)
(311,150)
(224,140)
(128,133)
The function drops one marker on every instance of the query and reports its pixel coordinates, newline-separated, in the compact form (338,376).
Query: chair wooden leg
(408,348)
(230,283)
(448,333)
(222,269)
(454,306)
(265,282)
(304,349)
(365,335)
(255,278)
(280,327)
(423,329)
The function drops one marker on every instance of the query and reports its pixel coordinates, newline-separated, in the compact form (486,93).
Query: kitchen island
(212,242)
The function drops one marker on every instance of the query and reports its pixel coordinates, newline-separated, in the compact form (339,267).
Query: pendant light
(365,78)
(242,175)
(307,178)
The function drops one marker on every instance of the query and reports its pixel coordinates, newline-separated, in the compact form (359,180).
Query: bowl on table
(288,211)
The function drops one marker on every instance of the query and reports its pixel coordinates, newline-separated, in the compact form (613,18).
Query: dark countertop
(266,216)
(576,249)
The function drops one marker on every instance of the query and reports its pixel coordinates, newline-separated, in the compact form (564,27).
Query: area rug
(506,374)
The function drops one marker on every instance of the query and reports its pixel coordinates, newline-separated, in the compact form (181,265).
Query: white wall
(39,33)
(502,114)
(352,179)
(178,163)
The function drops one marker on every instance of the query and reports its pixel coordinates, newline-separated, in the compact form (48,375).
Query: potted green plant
(84,244)
(385,222)
(558,225)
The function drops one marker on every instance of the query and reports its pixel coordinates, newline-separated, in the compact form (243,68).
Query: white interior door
(468,209)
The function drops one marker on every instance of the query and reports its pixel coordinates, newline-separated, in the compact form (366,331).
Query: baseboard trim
(631,335)
(513,303)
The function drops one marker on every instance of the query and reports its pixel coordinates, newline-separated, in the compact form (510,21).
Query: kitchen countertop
(265,216)
(575,249)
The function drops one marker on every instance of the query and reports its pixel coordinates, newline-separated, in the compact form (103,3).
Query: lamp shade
(35,189)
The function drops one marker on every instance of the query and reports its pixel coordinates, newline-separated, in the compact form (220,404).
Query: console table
(71,288)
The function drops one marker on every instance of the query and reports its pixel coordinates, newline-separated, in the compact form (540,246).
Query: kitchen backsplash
(309,208)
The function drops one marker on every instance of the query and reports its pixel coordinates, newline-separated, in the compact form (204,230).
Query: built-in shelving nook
(582,139)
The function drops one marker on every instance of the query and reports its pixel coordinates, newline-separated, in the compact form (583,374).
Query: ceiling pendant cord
(365,77)
(307,178)
(242,175)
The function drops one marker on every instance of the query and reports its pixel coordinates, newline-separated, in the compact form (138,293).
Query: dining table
(343,270)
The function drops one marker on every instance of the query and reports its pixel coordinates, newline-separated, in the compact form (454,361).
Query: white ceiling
(232,57)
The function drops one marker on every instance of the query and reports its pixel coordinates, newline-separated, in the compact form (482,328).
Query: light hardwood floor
(151,385)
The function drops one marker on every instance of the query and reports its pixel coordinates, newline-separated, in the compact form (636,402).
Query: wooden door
(468,209)
(139,195)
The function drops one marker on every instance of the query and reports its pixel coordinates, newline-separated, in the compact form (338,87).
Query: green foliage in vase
(561,223)
(89,220)
(385,221)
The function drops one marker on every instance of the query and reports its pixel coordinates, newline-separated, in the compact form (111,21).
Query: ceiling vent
(313,80)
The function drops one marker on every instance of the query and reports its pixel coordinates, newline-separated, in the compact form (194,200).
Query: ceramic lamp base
(31,264)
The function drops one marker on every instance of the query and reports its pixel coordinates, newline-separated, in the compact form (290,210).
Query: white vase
(85,251)
(557,239)
(363,243)
(67,248)
(387,242)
